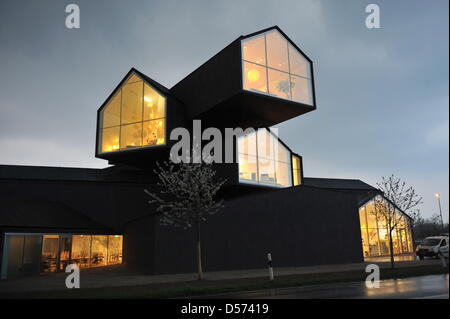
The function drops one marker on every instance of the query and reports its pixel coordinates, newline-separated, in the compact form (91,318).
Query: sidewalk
(120,276)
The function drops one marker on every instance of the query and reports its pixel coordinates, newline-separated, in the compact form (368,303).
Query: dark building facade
(51,217)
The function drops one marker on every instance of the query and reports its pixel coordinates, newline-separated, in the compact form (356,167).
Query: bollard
(269,258)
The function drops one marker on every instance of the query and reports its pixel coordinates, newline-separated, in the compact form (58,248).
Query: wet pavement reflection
(429,287)
(380,259)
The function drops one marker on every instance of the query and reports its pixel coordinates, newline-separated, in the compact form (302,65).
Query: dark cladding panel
(217,80)
(300,226)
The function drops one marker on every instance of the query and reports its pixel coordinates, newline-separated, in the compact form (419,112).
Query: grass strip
(208,287)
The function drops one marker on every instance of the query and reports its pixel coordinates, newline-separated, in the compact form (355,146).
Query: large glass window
(255,77)
(133,117)
(296,170)
(111,112)
(248,168)
(115,249)
(99,251)
(375,233)
(34,253)
(132,102)
(81,250)
(264,160)
(277,51)
(130,136)
(153,133)
(274,66)
(50,247)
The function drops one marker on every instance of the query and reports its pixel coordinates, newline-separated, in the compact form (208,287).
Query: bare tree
(187,197)
(425,227)
(396,197)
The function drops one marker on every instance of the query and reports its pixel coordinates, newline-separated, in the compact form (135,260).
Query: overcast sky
(382,94)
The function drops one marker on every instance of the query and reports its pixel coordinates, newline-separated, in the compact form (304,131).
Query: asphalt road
(425,287)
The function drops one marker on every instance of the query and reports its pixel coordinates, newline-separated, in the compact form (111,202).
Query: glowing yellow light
(253,75)
(437,195)
(149,100)
(160,141)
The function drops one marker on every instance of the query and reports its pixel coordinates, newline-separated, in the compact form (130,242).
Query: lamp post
(438,196)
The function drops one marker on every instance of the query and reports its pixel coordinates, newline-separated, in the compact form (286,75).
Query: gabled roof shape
(215,92)
(133,116)
(274,65)
(156,85)
(275,27)
(339,183)
(265,160)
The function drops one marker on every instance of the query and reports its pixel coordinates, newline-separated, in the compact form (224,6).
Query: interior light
(253,75)
(149,101)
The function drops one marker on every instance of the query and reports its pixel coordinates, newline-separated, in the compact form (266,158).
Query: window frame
(288,162)
(99,142)
(310,80)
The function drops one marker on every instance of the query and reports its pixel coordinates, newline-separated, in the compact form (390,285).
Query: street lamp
(438,196)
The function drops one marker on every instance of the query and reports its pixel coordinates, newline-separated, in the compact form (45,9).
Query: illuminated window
(134,117)
(277,51)
(111,112)
(255,78)
(99,251)
(364,233)
(298,64)
(248,168)
(153,132)
(154,104)
(301,90)
(375,232)
(115,249)
(264,160)
(49,257)
(296,170)
(130,136)
(254,50)
(274,66)
(31,254)
(81,250)
(279,84)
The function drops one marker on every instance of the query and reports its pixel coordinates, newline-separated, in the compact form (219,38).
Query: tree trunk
(199,254)
(391,249)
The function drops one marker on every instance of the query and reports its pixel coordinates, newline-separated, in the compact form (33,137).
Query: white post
(269,259)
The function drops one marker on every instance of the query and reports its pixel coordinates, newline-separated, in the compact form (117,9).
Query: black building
(50,217)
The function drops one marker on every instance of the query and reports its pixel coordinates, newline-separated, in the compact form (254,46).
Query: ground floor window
(375,235)
(26,254)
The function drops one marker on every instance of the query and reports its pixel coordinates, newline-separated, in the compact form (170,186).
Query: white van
(430,246)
